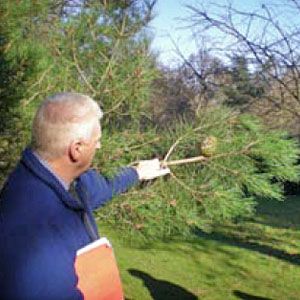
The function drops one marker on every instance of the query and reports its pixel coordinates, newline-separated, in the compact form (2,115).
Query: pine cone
(208,146)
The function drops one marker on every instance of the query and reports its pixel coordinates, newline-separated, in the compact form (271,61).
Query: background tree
(97,48)
(244,88)
(268,38)
(170,98)
(204,75)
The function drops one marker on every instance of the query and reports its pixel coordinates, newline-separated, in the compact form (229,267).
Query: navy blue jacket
(42,226)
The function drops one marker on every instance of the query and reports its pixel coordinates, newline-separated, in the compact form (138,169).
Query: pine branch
(175,144)
(80,71)
(204,158)
(187,188)
(184,161)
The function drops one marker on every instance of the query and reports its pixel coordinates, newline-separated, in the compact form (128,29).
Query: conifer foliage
(101,48)
(244,164)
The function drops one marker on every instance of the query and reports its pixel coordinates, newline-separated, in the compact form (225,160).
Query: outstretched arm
(101,189)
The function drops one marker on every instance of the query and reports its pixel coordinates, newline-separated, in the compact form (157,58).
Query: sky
(168,25)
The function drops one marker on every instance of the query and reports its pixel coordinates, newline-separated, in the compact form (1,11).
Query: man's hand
(150,169)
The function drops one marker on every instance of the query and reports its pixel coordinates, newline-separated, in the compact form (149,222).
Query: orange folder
(97,271)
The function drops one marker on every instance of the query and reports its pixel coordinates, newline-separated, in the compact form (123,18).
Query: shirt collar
(48,167)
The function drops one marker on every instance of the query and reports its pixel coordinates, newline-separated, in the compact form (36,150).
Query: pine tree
(101,48)
(243,90)
(245,163)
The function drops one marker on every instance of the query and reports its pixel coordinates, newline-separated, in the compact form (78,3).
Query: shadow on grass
(245,296)
(267,250)
(162,289)
(279,214)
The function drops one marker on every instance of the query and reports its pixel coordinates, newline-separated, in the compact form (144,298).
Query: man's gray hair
(61,119)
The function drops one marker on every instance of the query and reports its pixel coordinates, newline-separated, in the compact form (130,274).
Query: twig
(6,47)
(38,82)
(115,107)
(119,103)
(234,172)
(80,71)
(204,158)
(172,149)
(184,161)
(25,102)
(243,151)
(144,144)
(116,45)
(174,145)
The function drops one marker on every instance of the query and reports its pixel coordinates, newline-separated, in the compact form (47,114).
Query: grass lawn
(257,259)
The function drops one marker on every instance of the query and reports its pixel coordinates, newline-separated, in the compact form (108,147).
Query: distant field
(257,259)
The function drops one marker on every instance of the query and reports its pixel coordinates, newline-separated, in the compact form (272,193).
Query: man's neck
(61,171)
(58,168)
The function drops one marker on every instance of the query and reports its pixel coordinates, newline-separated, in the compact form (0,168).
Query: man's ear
(75,150)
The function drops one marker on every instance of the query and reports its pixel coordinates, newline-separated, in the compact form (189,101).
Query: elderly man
(47,202)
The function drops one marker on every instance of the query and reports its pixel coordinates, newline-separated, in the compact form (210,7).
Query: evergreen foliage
(93,47)
(101,48)
(249,163)
(243,89)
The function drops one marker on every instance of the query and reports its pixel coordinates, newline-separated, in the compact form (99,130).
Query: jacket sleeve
(34,265)
(101,189)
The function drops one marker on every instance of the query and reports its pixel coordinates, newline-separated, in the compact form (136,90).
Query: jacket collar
(40,171)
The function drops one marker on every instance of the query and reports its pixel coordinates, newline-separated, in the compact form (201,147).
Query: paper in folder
(97,271)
